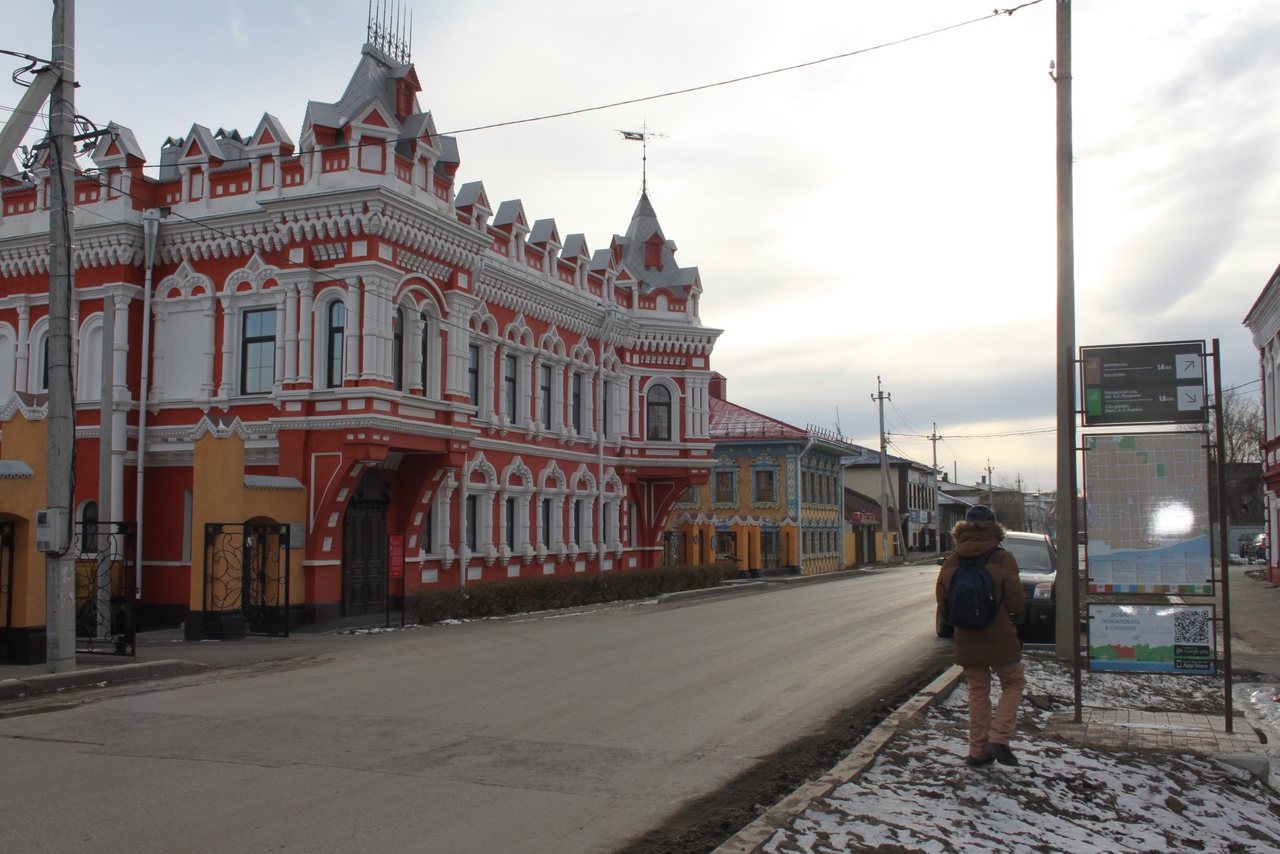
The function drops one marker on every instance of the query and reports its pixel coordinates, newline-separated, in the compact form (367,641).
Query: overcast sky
(889,214)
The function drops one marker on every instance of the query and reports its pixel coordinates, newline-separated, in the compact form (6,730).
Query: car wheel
(943,629)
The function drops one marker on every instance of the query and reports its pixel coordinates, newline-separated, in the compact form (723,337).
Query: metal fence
(106,600)
(6,584)
(246,579)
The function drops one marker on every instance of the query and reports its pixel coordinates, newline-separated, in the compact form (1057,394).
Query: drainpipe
(800,504)
(464,553)
(150,231)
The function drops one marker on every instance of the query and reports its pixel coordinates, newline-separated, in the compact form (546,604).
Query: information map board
(1148,514)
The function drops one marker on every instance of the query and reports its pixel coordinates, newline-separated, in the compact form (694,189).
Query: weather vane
(642,136)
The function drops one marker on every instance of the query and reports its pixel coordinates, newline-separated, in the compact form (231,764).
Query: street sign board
(1160,383)
(1141,638)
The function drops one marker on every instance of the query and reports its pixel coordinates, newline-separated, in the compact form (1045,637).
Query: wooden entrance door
(364,548)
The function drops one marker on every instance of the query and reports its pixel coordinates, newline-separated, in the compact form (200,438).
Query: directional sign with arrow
(1144,384)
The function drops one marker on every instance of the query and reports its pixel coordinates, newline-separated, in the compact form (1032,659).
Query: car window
(1030,554)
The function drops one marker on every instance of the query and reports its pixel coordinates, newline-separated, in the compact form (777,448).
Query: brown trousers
(983,726)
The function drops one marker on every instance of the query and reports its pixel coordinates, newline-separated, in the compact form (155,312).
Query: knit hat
(980,513)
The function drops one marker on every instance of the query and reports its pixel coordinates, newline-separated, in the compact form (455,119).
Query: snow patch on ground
(918,796)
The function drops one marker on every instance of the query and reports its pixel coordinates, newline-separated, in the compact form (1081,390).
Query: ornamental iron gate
(6,584)
(106,603)
(246,580)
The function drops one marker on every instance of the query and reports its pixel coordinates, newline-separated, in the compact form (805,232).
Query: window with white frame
(576,401)
(40,374)
(472,521)
(547,508)
(546,374)
(258,351)
(658,414)
(397,350)
(89,527)
(473,374)
(334,335)
(89,382)
(509,521)
(8,361)
(606,395)
(511,387)
(428,346)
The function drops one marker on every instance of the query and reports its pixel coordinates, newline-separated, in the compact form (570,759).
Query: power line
(1035,432)
(690,89)
(994,14)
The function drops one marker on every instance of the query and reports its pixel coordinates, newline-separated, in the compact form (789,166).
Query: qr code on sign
(1191,626)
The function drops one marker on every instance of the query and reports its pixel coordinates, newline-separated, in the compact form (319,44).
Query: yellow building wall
(25,441)
(220,496)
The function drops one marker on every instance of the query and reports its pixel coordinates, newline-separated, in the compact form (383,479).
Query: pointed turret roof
(648,256)
(373,87)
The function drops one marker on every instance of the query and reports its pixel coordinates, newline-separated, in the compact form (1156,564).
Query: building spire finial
(643,136)
(387,31)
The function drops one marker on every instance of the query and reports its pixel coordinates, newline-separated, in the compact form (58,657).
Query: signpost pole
(1223,564)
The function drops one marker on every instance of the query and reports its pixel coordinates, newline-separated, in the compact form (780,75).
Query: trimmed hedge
(549,592)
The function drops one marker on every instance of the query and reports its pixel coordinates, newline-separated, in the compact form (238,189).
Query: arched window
(658,414)
(89,527)
(43,371)
(335,332)
(397,350)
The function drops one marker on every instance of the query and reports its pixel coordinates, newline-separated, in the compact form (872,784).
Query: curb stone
(88,676)
(751,837)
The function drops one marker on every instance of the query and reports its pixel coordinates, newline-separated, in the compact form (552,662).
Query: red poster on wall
(395,556)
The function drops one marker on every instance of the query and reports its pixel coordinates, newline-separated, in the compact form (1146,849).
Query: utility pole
(990,474)
(880,397)
(60,586)
(1067,624)
(937,503)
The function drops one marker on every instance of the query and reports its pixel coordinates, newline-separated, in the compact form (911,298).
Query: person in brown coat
(993,648)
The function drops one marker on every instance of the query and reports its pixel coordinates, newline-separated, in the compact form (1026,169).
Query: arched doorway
(364,547)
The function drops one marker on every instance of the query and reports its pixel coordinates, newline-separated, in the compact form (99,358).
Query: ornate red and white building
(1263,321)
(340,339)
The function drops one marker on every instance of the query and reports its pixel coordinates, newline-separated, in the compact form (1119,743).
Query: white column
(371,338)
(281,332)
(306,323)
(291,333)
(351,333)
(24,345)
(210,354)
(228,344)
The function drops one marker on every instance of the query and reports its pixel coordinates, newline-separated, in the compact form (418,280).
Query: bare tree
(1242,426)
(1010,508)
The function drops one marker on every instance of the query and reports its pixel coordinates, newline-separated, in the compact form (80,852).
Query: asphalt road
(547,733)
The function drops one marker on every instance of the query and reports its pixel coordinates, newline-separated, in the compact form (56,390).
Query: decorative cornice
(34,407)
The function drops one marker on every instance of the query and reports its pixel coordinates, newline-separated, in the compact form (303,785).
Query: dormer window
(404,100)
(653,252)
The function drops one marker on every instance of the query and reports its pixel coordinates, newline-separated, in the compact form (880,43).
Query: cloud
(1200,155)
(238,31)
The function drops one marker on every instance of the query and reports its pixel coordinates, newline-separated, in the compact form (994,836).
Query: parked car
(1038,569)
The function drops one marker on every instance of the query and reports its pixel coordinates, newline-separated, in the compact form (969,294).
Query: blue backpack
(971,598)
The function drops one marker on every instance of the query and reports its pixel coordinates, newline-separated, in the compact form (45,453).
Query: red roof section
(730,421)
